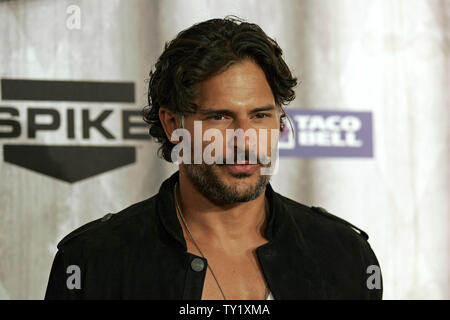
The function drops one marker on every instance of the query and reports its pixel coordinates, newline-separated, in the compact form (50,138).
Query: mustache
(247,156)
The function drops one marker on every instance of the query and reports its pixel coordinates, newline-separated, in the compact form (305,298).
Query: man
(217,230)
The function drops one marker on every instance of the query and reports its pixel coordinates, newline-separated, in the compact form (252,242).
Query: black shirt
(140,253)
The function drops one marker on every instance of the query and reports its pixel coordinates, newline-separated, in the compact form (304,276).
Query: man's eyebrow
(230,112)
(215,111)
(265,108)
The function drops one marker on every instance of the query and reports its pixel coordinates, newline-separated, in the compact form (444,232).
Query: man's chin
(218,182)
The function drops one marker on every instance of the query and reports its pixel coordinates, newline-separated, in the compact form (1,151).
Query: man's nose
(242,123)
(243,126)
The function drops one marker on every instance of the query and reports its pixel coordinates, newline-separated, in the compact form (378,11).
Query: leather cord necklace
(198,248)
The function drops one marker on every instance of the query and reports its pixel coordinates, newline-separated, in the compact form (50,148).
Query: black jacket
(140,253)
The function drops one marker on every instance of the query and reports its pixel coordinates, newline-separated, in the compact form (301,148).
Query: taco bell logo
(327,134)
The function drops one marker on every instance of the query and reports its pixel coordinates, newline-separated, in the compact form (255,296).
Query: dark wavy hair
(204,50)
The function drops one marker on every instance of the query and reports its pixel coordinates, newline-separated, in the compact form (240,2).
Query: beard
(208,181)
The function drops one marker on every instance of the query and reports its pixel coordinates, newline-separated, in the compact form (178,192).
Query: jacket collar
(287,261)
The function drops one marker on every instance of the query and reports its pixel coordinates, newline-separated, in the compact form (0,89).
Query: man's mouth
(242,168)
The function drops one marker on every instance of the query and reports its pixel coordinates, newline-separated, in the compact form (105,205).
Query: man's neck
(229,226)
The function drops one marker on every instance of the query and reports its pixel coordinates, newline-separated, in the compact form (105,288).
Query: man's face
(238,98)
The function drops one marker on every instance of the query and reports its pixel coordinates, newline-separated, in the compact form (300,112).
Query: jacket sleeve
(374,282)
(58,288)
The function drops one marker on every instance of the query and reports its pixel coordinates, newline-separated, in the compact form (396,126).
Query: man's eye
(262,115)
(217,117)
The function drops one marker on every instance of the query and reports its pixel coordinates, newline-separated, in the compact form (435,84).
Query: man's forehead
(242,84)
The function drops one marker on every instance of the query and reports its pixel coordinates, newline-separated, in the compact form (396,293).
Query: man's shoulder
(107,226)
(320,218)
(330,236)
(340,249)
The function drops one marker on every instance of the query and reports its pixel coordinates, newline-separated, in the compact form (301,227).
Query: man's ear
(168,121)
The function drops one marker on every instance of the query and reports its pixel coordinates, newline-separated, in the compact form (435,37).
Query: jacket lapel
(167,212)
(288,265)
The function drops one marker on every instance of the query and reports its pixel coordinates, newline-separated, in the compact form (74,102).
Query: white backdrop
(388,57)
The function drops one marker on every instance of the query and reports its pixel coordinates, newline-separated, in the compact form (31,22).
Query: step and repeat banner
(368,135)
